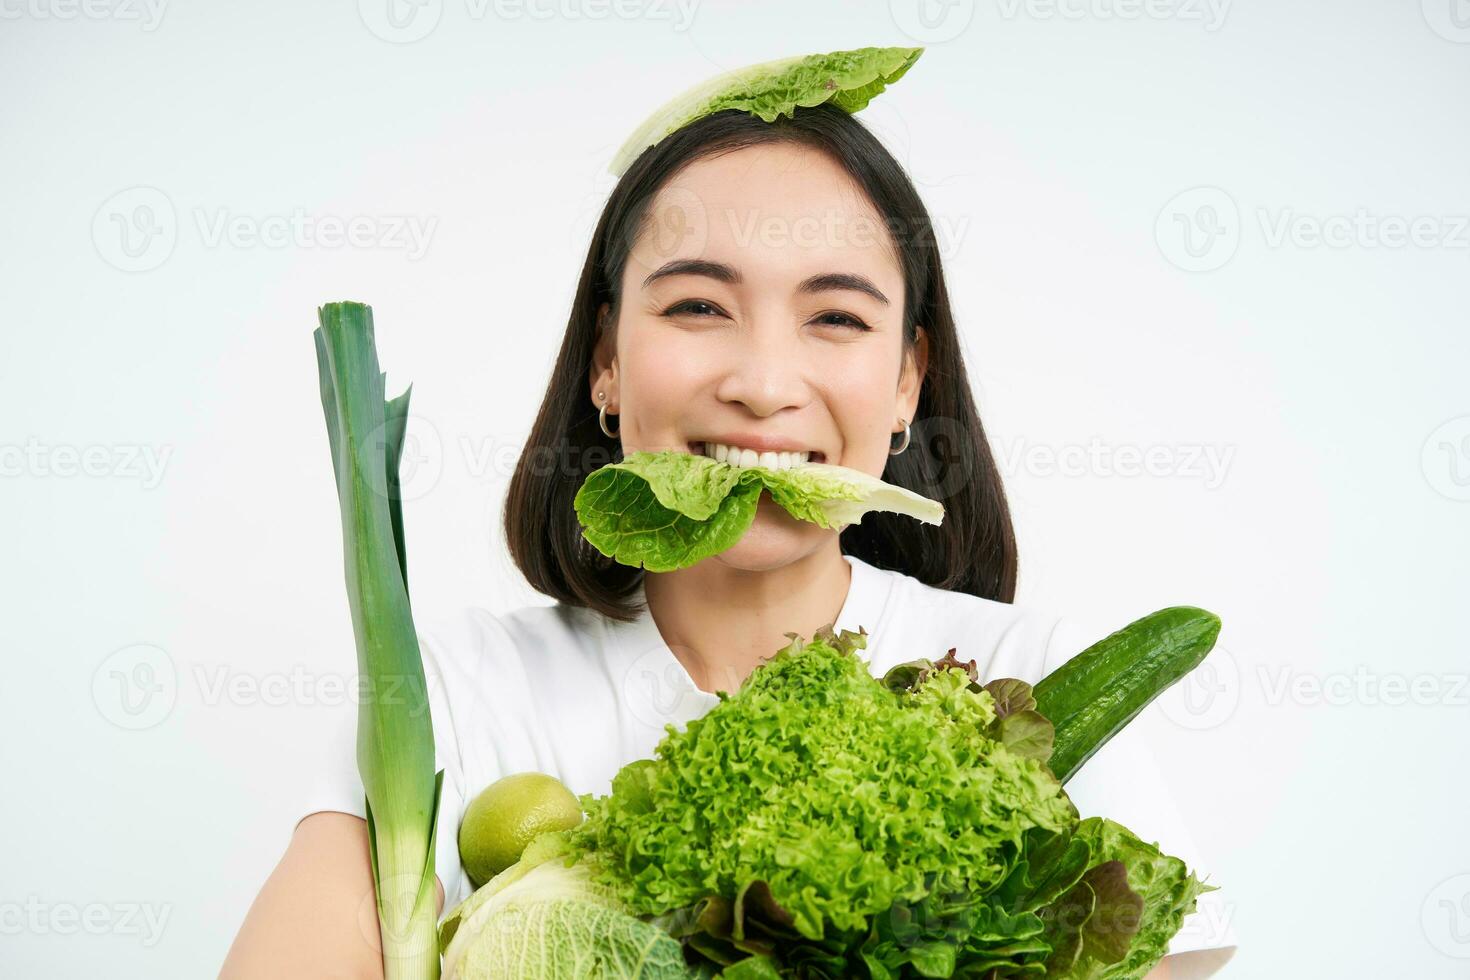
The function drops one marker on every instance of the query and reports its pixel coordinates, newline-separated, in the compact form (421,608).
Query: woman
(753,287)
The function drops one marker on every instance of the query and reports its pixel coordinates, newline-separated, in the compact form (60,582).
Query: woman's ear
(911,379)
(602,376)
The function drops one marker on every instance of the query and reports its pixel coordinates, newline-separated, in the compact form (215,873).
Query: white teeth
(749,457)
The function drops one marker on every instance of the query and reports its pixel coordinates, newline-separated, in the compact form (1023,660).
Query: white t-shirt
(567,691)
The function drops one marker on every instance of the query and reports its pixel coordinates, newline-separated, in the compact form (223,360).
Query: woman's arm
(315,917)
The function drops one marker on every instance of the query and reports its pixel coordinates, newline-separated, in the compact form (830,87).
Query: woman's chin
(774,538)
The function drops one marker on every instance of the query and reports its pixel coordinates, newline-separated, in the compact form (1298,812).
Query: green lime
(507,815)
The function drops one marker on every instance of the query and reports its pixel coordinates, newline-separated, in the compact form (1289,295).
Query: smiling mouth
(736,456)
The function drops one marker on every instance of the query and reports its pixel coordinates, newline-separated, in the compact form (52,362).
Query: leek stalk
(395,735)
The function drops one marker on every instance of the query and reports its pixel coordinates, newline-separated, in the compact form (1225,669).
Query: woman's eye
(842,320)
(701,308)
(693,306)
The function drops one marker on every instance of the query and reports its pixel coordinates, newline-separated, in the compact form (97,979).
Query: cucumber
(1092,696)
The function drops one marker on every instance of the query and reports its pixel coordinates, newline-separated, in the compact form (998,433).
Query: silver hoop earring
(602,419)
(895,452)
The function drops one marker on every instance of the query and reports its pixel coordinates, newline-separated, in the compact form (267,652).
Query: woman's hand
(1159,972)
(315,917)
(1193,965)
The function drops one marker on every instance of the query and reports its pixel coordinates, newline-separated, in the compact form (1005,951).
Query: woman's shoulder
(472,636)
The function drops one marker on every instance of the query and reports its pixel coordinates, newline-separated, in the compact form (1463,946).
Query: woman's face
(762,308)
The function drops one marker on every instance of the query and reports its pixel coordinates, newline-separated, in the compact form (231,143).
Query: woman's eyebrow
(826,281)
(820,283)
(694,267)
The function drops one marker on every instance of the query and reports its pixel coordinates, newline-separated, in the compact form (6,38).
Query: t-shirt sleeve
(1124,782)
(473,675)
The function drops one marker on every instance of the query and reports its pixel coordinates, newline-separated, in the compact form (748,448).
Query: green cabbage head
(543,919)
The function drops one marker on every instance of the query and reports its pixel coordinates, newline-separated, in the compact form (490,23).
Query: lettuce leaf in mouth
(848,79)
(668,510)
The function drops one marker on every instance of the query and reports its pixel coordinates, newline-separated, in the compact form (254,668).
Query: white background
(1319,756)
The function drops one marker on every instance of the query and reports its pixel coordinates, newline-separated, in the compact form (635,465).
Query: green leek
(395,734)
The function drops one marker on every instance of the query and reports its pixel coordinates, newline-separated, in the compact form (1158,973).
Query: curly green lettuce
(838,795)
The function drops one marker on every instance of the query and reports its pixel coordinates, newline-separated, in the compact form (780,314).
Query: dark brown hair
(948,458)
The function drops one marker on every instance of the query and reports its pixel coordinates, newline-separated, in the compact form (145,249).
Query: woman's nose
(766,372)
